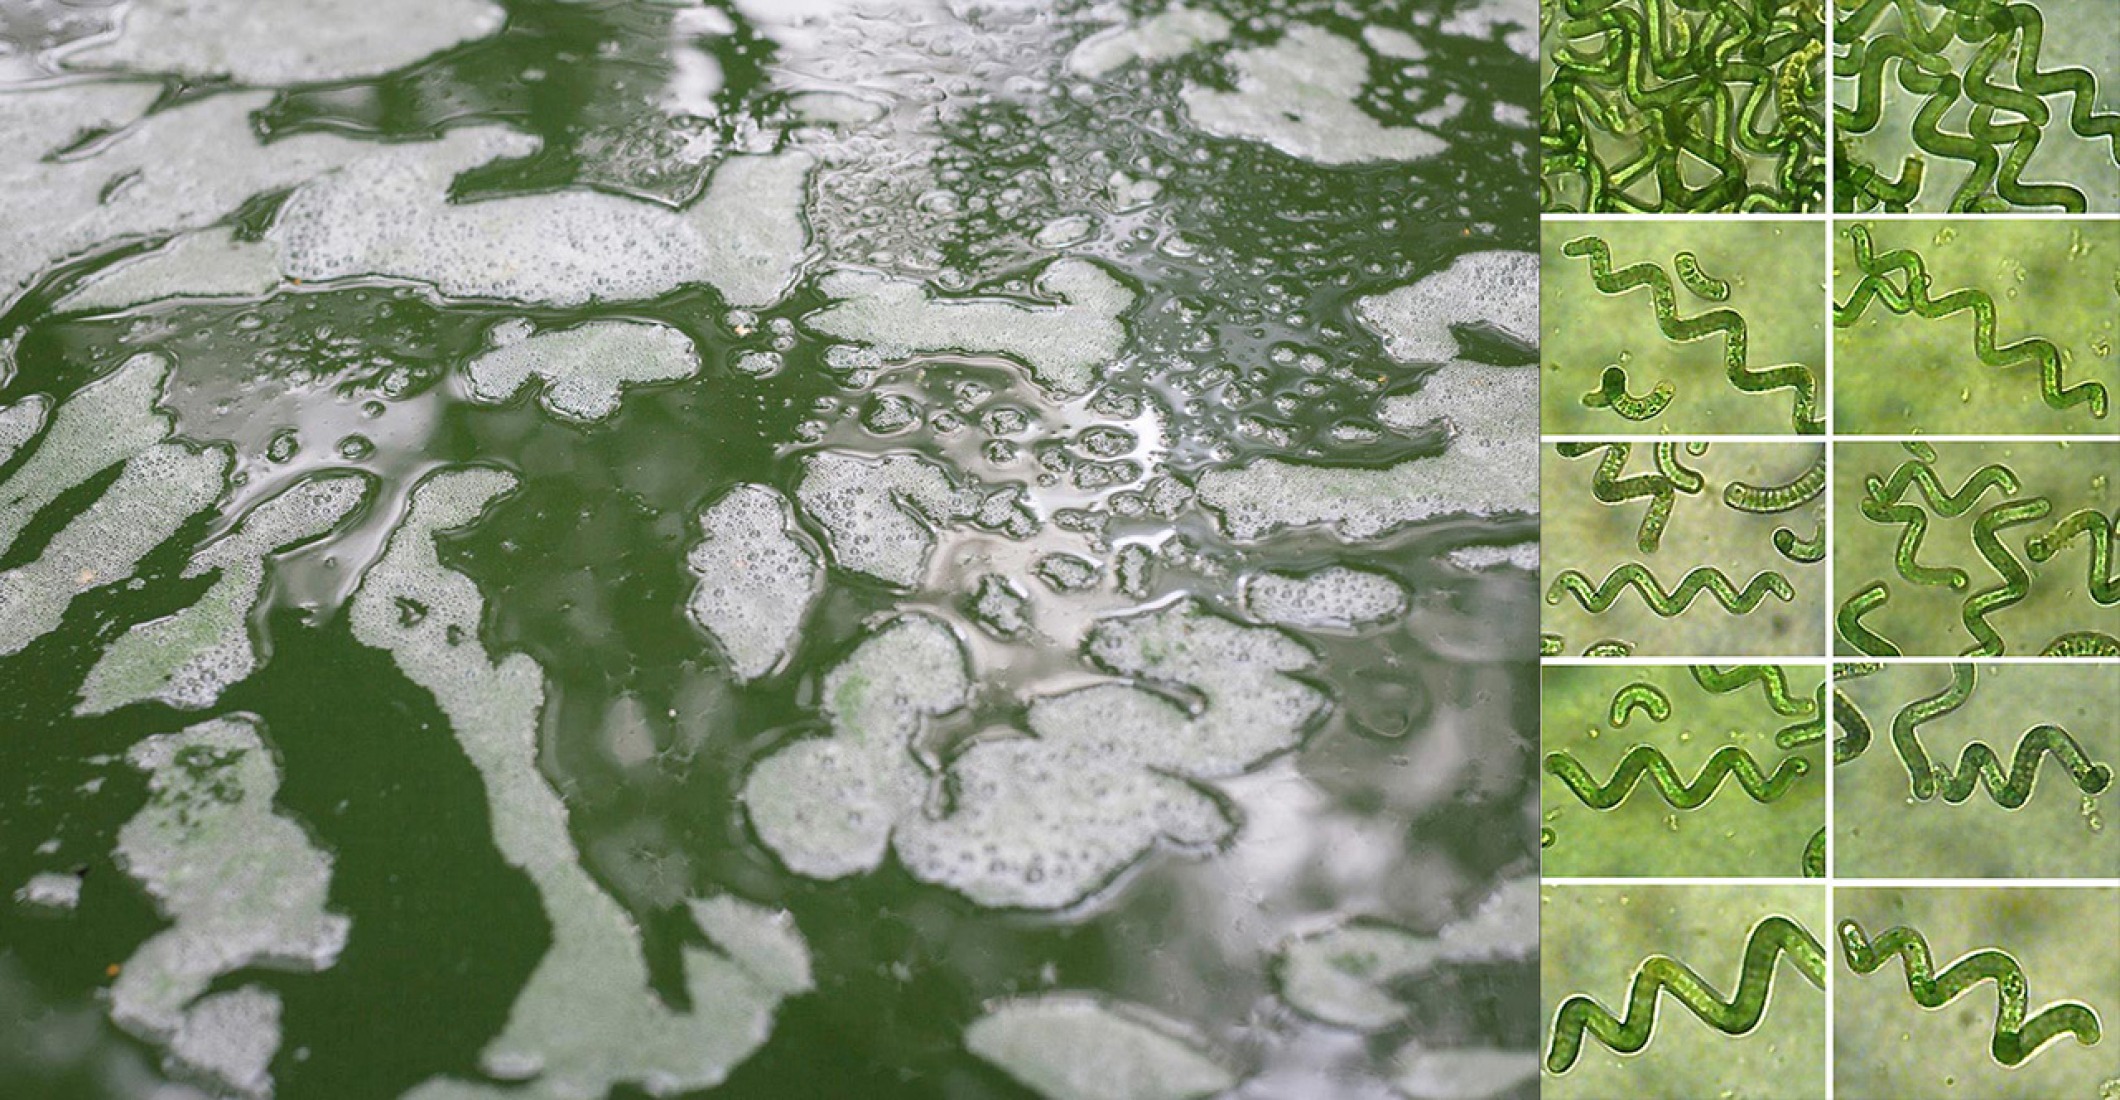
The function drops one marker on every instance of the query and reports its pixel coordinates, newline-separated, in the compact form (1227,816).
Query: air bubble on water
(757,580)
(241,884)
(1063,345)
(999,607)
(158,489)
(757,364)
(1333,597)
(1461,1073)
(320,41)
(187,659)
(354,447)
(1073,1046)
(1169,34)
(877,512)
(1298,95)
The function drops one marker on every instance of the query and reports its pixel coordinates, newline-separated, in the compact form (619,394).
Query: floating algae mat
(882,548)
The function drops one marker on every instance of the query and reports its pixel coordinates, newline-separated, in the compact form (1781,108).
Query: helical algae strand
(1768,943)
(1906,725)
(1848,622)
(1608,487)
(1599,598)
(1642,697)
(2016,1037)
(1881,504)
(1979,766)
(1611,393)
(1786,497)
(2082,643)
(2089,523)
(1799,549)
(1804,416)
(1814,855)
(1649,762)
(1914,299)
(1771,680)
(1855,732)
(2016,581)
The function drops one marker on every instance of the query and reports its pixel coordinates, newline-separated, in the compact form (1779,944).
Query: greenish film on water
(776,548)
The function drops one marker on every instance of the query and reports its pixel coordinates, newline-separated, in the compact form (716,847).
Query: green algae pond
(786,548)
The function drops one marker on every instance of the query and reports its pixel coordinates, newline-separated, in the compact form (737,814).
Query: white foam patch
(1298,96)
(763,941)
(826,805)
(1069,1046)
(104,423)
(1173,32)
(20,423)
(1516,19)
(50,890)
(210,263)
(187,659)
(1467,1073)
(877,513)
(757,580)
(158,490)
(1111,771)
(1393,42)
(1063,345)
(281,43)
(230,1039)
(999,607)
(1343,976)
(1523,555)
(1334,597)
(583,368)
(1474,403)
(1347,976)
(1253,501)
(390,216)
(242,884)
(177,169)
(588,1018)
(1499,289)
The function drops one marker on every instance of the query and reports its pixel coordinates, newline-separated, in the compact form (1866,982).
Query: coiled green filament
(1978,765)
(1914,299)
(1881,504)
(1997,152)
(2103,586)
(1855,734)
(2082,643)
(1788,496)
(2016,581)
(1700,283)
(1801,550)
(1597,599)
(2016,1037)
(1661,488)
(1770,678)
(1906,725)
(1643,98)
(1770,940)
(1814,855)
(1867,642)
(1736,356)
(1647,761)
(1643,697)
(1805,731)
(1611,393)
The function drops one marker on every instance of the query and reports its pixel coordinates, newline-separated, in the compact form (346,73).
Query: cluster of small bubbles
(1334,597)
(1066,572)
(998,607)
(756,579)
(891,413)
(757,364)
(1105,441)
(1005,420)
(855,366)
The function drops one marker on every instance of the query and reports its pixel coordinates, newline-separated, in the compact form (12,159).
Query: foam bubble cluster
(1299,96)
(209,263)
(20,423)
(1498,289)
(1064,345)
(756,579)
(1523,555)
(187,659)
(1253,501)
(1039,821)
(242,884)
(1334,597)
(1173,32)
(1346,976)
(826,805)
(589,1017)
(583,368)
(183,167)
(877,512)
(104,423)
(1473,403)
(1462,1073)
(1069,1046)
(315,41)
(50,890)
(1000,607)
(158,490)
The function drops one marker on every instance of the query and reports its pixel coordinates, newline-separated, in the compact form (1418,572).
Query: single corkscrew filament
(2017,1036)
